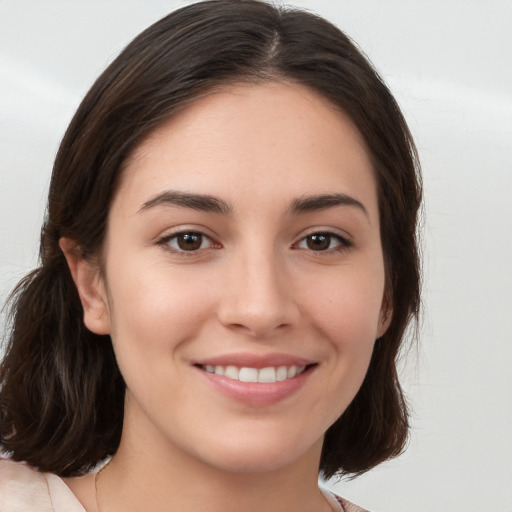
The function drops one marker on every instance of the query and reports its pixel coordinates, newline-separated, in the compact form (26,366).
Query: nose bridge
(258,297)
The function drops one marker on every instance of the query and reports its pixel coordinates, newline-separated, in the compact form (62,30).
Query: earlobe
(385,317)
(91,289)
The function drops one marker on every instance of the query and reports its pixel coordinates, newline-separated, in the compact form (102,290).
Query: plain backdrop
(449,63)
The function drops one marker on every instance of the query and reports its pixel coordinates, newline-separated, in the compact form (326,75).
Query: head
(72,416)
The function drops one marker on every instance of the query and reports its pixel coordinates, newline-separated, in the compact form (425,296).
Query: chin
(250,464)
(264,455)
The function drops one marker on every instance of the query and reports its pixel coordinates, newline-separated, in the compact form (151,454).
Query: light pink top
(24,489)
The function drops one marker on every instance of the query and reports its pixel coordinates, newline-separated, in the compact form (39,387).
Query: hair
(61,393)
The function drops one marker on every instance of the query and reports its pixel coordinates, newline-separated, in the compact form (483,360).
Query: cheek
(347,306)
(346,311)
(153,315)
(153,312)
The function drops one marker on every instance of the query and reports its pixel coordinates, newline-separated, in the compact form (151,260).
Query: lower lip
(257,393)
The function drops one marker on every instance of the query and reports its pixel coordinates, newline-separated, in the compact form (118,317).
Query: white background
(449,64)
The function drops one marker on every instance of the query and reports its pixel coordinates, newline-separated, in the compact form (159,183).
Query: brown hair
(61,394)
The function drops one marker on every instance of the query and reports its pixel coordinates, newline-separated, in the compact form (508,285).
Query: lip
(255,394)
(254,360)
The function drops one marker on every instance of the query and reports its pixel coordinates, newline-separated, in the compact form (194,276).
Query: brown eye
(189,241)
(319,242)
(323,242)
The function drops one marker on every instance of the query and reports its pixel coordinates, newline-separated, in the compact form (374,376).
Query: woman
(228,265)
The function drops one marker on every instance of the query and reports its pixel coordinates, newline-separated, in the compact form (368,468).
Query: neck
(146,474)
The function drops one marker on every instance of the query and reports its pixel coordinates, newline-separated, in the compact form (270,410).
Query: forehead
(245,135)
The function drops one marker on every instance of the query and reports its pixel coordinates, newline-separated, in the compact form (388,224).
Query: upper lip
(243,360)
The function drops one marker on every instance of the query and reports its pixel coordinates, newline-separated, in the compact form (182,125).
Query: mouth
(256,380)
(266,375)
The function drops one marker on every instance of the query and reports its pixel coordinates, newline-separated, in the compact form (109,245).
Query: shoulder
(348,506)
(23,488)
(340,504)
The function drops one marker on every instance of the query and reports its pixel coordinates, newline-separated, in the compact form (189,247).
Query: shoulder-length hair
(61,394)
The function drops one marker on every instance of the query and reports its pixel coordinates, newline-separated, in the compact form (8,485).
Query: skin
(257,285)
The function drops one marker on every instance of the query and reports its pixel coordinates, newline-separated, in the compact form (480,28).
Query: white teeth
(245,374)
(267,375)
(232,372)
(248,375)
(282,373)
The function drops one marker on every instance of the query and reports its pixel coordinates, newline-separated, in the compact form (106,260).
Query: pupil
(319,242)
(189,241)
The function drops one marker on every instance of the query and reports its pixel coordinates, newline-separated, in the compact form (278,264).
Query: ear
(385,316)
(90,286)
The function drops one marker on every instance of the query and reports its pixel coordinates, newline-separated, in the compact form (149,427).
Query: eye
(187,241)
(323,242)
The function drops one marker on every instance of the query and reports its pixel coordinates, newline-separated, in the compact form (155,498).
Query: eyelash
(167,240)
(342,243)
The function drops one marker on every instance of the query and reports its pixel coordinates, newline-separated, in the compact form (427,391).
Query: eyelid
(164,240)
(345,240)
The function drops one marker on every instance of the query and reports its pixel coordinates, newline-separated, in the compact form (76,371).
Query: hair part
(61,394)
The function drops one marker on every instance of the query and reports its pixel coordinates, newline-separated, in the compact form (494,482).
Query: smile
(256,380)
(263,375)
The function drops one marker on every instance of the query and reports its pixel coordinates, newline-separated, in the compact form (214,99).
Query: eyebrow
(212,204)
(312,203)
(204,203)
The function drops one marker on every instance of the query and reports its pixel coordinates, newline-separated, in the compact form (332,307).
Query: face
(243,277)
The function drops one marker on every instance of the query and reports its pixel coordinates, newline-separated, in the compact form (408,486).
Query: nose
(258,297)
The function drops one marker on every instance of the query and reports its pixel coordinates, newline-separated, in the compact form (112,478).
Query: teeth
(282,373)
(269,374)
(232,372)
(248,375)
